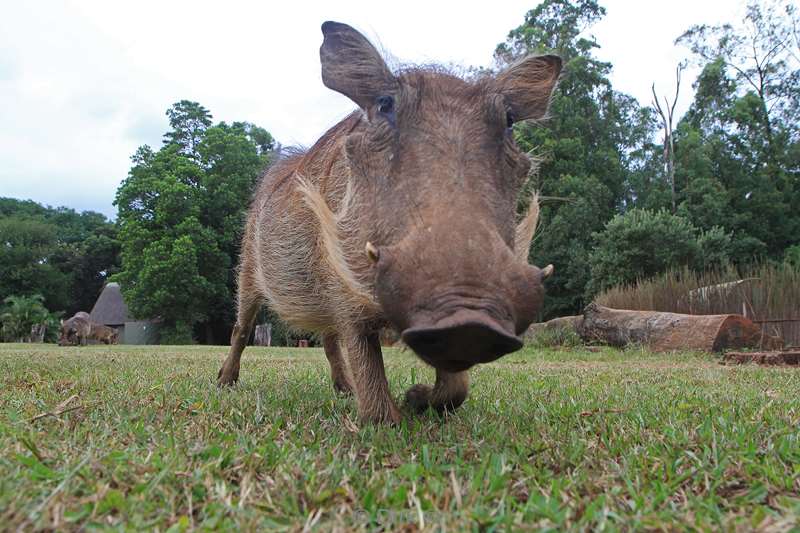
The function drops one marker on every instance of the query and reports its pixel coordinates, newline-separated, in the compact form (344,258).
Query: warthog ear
(352,66)
(528,84)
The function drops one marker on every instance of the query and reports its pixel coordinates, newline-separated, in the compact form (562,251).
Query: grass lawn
(546,439)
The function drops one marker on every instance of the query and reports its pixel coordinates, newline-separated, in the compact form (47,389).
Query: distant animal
(75,330)
(401,215)
(104,334)
(79,329)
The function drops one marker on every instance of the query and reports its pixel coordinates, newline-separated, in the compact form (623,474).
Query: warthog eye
(386,108)
(385,104)
(509,119)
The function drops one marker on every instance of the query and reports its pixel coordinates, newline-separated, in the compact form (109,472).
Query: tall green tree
(181,211)
(189,121)
(737,146)
(26,261)
(595,147)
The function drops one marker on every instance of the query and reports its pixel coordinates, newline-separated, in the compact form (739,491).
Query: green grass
(547,439)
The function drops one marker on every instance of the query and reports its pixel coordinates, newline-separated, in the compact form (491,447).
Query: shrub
(177,333)
(641,244)
(550,337)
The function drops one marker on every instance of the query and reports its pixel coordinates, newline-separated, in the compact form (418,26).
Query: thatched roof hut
(110,308)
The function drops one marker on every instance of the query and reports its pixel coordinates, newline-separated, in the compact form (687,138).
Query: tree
(592,150)
(189,121)
(20,314)
(741,133)
(181,211)
(667,114)
(759,52)
(63,255)
(26,261)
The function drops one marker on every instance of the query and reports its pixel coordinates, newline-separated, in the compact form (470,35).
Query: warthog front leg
(339,372)
(375,404)
(449,391)
(246,317)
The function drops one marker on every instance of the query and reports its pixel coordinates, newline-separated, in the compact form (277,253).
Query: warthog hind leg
(369,380)
(339,372)
(449,391)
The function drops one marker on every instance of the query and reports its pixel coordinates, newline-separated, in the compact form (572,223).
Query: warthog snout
(457,301)
(461,340)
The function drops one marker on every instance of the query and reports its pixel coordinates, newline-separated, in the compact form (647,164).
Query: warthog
(403,214)
(104,334)
(79,329)
(75,330)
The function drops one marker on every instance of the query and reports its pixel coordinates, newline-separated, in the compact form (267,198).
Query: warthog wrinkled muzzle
(458,309)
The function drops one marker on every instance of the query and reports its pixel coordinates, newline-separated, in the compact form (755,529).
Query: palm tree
(20,315)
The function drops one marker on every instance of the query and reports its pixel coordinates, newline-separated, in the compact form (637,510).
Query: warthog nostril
(428,341)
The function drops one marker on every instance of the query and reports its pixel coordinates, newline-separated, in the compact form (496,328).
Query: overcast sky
(84,83)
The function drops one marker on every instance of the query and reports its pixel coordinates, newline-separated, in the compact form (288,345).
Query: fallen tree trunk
(664,332)
(669,331)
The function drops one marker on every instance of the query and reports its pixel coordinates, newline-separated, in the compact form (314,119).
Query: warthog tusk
(372,252)
(547,271)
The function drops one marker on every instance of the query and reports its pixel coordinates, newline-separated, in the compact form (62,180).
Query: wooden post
(263,335)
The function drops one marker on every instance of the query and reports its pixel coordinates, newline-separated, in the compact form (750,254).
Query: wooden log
(665,332)
(787,358)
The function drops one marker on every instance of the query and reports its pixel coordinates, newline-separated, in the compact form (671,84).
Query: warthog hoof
(384,414)
(420,397)
(342,387)
(226,377)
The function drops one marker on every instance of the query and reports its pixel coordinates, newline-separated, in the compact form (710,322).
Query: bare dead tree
(794,17)
(667,114)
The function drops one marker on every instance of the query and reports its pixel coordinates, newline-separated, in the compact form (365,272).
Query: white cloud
(83,84)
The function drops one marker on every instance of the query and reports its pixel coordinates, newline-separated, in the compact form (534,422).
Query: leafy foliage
(20,314)
(642,243)
(741,134)
(57,253)
(737,157)
(180,217)
(792,256)
(590,149)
